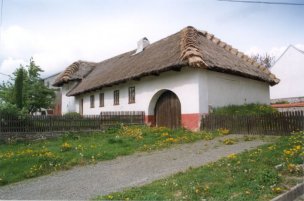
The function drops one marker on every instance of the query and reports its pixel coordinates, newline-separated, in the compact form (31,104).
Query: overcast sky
(58,32)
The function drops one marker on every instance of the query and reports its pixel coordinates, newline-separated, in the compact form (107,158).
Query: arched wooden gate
(168,111)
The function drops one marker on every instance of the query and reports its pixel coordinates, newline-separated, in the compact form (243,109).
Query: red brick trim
(150,120)
(191,121)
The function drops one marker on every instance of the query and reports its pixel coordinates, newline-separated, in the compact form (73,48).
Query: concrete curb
(292,194)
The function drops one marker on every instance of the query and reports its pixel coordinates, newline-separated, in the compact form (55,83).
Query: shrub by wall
(247,109)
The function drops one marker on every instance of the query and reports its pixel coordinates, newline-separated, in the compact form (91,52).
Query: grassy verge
(259,174)
(22,160)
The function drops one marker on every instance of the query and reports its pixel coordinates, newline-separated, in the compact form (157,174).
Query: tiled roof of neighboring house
(187,48)
(288,105)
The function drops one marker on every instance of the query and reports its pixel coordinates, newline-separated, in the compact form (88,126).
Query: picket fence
(28,124)
(271,124)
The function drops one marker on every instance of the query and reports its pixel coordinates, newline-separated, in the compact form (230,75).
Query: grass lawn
(259,174)
(21,160)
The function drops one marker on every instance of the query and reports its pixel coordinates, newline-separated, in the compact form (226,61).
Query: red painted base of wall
(150,120)
(189,121)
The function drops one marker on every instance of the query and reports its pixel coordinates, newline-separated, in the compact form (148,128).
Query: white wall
(184,84)
(203,91)
(67,102)
(290,70)
(195,88)
(225,89)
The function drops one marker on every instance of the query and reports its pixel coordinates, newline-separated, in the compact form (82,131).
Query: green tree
(19,81)
(7,92)
(26,90)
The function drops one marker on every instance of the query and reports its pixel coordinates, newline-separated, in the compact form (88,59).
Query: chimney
(141,45)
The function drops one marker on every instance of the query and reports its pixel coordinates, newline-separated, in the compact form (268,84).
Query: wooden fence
(273,124)
(34,124)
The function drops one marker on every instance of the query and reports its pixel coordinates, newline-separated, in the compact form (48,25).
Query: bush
(248,109)
(281,102)
(8,109)
(9,113)
(72,115)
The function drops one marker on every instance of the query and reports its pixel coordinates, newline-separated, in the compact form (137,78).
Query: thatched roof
(76,71)
(187,48)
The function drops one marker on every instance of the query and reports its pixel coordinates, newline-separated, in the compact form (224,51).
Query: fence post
(248,126)
(0,124)
(203,122)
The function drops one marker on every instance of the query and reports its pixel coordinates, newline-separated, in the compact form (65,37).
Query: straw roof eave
(238,73)
(62,82)
(175,67)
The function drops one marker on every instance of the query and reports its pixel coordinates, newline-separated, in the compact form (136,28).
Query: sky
(58,32)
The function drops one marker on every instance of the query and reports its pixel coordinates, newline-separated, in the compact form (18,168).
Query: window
(116,97)
(131,95)
(92,100)
(101,100)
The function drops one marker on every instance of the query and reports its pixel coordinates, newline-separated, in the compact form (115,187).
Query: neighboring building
(289,67)
(287,100)
(289,107)
(288,104)
(49,81)
(174,80)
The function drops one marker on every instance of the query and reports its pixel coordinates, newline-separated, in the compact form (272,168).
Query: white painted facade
(224,89)
(68,102)
(196,89)
(183,84)
(289,68)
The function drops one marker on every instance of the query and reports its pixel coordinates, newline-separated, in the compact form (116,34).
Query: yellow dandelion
(277,189)
(231,156)
(298,147)
(165,134)
(287,152)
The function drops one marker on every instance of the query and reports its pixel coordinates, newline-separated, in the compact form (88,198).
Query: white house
(49,81)
(174,80)
(289,67)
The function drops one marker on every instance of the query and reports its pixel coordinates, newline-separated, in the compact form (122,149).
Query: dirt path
(82,183)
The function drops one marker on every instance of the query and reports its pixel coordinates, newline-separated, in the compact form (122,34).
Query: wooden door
(168,111)
(81,106)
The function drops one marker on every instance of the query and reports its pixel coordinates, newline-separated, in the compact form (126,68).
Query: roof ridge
(190,50)
(286,49)
(66,75)
(298,49)
(241,55)
(71,69)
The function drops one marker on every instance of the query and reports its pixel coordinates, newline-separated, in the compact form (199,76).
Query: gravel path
(82,183)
